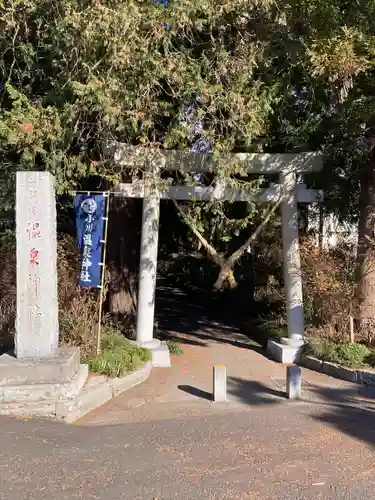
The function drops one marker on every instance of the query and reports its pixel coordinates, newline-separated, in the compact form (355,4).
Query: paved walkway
(164,440)
(211,337)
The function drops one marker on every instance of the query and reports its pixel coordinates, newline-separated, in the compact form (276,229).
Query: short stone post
(220,383)
(293,382)
(37,328)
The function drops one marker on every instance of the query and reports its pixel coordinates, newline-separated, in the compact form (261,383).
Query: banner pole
(99,330)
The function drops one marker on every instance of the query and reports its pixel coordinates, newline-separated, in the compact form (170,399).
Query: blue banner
(90,213)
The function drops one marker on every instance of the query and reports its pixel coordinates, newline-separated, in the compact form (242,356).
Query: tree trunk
(365,272)
(123,256)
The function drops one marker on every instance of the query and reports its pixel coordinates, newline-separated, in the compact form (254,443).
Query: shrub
(328,278)
(327,290)
(118,356)
(78,308)
(78,321)
(7,321)
(7,293)
(351,355)
(322,349)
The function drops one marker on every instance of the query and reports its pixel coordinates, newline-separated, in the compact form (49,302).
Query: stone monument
(39,371)
(37,326)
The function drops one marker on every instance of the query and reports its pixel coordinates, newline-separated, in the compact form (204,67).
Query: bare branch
(212,252)
(227,268)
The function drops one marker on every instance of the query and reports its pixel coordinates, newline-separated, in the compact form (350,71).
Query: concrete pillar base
(292,342)
(160,353)
(283,352)
(151,344)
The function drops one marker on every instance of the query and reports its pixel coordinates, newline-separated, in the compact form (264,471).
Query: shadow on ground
(350,410)
(247,391)
(194,391)
(179,318)
(253,392)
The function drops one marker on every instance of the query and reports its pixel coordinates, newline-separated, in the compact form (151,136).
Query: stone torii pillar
(148,269)
(287,165)
(148,262)
(292,261)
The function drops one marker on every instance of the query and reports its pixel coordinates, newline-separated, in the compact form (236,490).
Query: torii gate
(287,165)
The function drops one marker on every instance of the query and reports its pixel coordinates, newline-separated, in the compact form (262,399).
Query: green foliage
(97,69)
(330,102)
(118,356)
(7,240)
(264,77)
(322,349)
(271,328)
(79,74)
(174,348)
(351,355)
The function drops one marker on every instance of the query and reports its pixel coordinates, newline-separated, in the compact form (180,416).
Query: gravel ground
(292,451)
(164,440)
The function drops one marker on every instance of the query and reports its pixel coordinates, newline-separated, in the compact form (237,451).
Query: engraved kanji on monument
(37,329)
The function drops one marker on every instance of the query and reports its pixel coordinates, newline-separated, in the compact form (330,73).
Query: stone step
(33,392)
(47,370)
(97,390)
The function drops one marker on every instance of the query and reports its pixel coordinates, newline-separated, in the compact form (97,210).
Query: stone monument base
(49,379)
(286,351)
(97,390)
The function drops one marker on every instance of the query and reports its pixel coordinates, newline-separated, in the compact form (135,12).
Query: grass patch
(275,328)
(118,356)
(261,330)
(351,355)
(174,348)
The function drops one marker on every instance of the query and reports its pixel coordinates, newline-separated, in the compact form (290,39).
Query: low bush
(7,293)
(78,307)
(276,327)
(354,355)
(328,281)
(174,348)
(78,321)
(118,356)
(328,278)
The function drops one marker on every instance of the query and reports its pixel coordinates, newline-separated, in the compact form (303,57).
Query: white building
(328,231)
